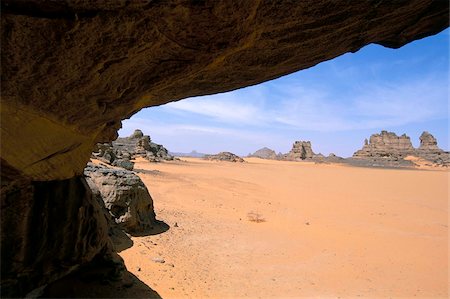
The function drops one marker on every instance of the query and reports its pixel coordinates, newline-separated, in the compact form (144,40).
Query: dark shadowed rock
(224,156)
(124,195)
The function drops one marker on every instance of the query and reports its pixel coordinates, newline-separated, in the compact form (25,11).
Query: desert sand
(324,231)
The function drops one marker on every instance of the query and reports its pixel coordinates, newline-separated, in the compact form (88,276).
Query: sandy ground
(326,231)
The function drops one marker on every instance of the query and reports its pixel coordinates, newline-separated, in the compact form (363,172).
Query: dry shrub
(255,217)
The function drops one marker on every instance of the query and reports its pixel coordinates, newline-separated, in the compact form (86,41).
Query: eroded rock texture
(141,145)
(430,150)
(49,229)
(388,149)
(72,70)
(386,145)
(125,196)
(301,150)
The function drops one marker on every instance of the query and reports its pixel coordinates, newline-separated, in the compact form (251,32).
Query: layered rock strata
(389,149)
(386,145)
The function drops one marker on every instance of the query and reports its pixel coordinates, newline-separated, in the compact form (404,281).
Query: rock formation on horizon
(120,151)
(301,150)
(224,156)
(390,150)
(386,145)
(264,153)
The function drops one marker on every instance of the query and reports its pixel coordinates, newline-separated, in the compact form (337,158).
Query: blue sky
(335,105)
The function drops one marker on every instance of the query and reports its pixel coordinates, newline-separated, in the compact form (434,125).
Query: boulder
(125,196)
(224,156)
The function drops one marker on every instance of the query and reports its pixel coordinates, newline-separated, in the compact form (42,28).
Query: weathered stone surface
(125,196)
(48,229)
(264,153)
(139,144)
(388,149)
(386,145)
(301,150)
(72,70)
(430,150)
(224,156)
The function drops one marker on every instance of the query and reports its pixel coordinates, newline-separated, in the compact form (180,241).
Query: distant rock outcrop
(120,152)
(429,150)
(386,145)
(388,149)
(301,150)
(124,195)
(264,153)
(224,156)
(139,144)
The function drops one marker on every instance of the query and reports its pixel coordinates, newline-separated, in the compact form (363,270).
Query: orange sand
(329,231)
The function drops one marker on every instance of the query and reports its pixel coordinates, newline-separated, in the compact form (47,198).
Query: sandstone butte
(72,70)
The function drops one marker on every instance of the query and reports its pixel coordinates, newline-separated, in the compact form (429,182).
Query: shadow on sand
(122,240)
(76,286)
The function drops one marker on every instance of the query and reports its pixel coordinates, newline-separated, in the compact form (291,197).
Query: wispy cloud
(312,108)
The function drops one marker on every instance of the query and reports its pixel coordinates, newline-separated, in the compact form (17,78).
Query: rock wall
(49,229)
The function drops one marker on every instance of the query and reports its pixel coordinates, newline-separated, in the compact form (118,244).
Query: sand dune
(328,231)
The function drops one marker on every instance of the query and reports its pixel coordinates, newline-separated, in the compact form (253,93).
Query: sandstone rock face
(48,229)
(428,143)
(264,153)
(388,149)
(139,144)
(301,150)
(386,145)
(106,153)
(430,150)
(125,196)
(224,156)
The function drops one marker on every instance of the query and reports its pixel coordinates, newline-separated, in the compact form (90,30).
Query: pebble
(158,260)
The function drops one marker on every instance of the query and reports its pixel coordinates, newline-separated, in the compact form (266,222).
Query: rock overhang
(72,70)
